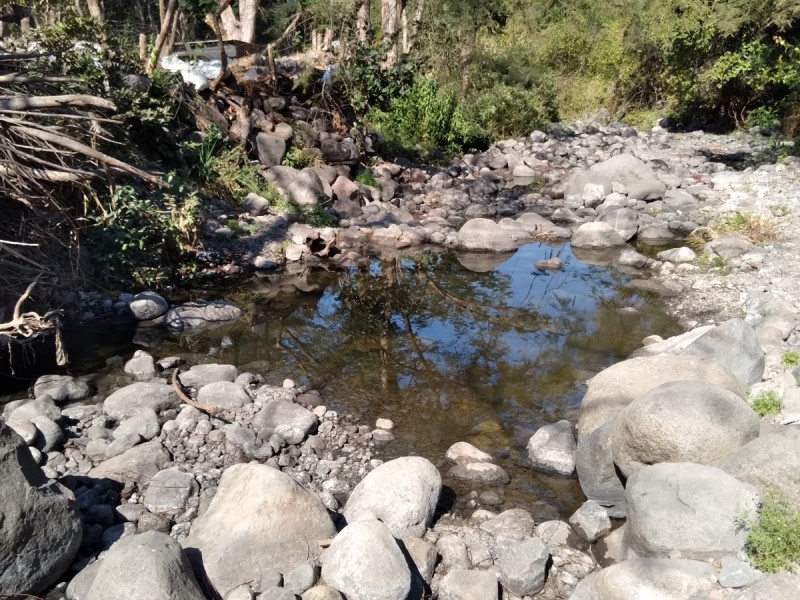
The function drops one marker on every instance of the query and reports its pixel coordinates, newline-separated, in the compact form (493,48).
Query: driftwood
(89,152)
(68,101)
(184,397)
(16,78)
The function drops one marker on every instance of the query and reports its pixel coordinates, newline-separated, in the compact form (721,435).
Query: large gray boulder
(615,387)
(780,586)
(144,424)
(307,188)
(149,565)
(734,345)
(484,235)
(552,449)
(469,585)
(596,235)
(289,420)
(40,531)
(169,491)
(202,375)
(625,221)
(694,511)
(139,464)
(129,401)
(364,562)
(661,578)
(576,185)
(402,493)
(522,564)
(682,421)
(769,461)
(597,472)
(259,519)
(200,315)
(147,305)
(61,388)
(625,169)
(224,395)
(271,149)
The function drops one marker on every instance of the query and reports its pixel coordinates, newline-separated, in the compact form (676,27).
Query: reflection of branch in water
(412,339)
(524,314)
(298,361)
(300,346)
(465,304)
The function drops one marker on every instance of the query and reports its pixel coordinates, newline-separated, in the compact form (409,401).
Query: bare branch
(70,101)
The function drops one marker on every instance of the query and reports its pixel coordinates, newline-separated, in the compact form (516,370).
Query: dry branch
(184,397)
(17,78)
(66,101)
(89,152)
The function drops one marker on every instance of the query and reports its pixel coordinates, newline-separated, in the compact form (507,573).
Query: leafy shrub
(369,84)
(428,121)
(505,111)
(774,541)
(762,116)
(767,403)
(367,178)
(790,358)
(143,239)
(300,158)
(227,171)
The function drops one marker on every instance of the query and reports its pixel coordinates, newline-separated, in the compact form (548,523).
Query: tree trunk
(97,9)
(362,21)
(391,12)
(163,35)
(243,27)
(410,31)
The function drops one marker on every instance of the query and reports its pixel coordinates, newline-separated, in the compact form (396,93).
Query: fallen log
(65,101)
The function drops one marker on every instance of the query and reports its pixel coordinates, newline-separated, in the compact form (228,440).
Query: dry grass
(756,228)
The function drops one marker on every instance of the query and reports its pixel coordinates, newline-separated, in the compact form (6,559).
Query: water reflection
(486,353)
(482,348)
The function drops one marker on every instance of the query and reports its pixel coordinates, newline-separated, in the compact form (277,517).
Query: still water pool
(479,348)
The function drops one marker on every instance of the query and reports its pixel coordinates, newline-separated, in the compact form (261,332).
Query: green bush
(767,403)
(774,541)
(226,170)
(367,178)
(300,158)
(427,121)
(790,359)
(142,239)
(504,111)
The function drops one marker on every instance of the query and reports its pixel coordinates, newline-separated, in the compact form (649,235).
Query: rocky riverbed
(252,490)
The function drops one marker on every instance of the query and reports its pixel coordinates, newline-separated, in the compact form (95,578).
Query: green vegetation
(243,227)
(300,158)
(780,210)
(767,403)
(774,541)
(790,359)
(142,239)
(714,261)
(367,178)
(756,228)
